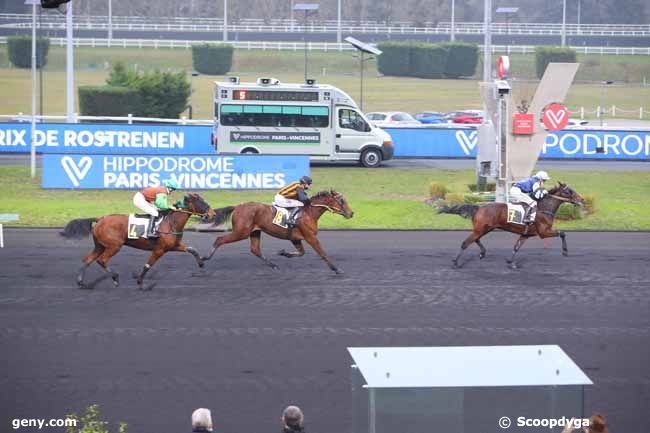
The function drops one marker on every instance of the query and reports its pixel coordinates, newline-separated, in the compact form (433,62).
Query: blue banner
(567,144)
(191,172)
(108,138)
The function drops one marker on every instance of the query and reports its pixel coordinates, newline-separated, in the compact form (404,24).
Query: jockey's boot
(151,230)
(291,220)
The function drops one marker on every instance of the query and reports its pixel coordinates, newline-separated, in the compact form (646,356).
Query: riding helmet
(306,180)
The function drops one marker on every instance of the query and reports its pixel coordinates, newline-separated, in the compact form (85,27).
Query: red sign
(503,67)
(555,117)
(523,124)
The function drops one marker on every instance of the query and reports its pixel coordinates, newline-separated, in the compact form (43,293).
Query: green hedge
(395,58)
(462,59)
(20,51)
(108,101)
(546,55)
(417,59)
(212,59)
(151,94)
(428,61)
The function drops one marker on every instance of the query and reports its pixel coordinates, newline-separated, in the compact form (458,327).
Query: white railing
(130,119)
(286,26)
(312,46)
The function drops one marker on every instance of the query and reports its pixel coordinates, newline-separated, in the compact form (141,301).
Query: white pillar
(69,66)
(33,129)
(453,20)
(225,20)
(338,23)
(487,44)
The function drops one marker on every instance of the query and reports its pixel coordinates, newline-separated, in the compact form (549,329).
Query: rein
(557,197)
(181,211)
(340,212)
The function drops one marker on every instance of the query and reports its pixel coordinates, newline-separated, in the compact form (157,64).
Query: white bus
(268,117)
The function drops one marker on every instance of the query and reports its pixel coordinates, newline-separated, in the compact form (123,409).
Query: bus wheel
(249,151)
(370,158)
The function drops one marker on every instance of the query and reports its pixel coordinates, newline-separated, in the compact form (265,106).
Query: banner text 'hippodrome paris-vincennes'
(191,172)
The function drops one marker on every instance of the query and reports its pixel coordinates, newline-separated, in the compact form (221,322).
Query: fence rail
(55,22)
(312,46)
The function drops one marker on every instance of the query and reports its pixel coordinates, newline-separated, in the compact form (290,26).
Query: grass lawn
(381,198)
(337,68)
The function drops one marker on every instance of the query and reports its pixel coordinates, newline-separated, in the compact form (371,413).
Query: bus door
(352,131)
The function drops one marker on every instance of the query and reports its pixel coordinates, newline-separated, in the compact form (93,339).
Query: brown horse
(250,219)
(495,216)
(110,234)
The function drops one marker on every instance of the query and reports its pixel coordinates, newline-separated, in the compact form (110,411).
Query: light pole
(563,23)
(69,66)
(452,36)
(601,107)
(338,22)
(363,48)
(487,41)
(32,152)
(191,107)
(110,21)
(225,20)
(307,8)
(507,11)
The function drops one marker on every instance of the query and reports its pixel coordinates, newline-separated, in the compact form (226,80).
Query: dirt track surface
(244,340)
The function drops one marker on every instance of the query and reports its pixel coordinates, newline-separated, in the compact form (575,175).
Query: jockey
(293,196)
(529,192)
(153,199)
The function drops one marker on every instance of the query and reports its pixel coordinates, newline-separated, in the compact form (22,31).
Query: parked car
(392,118)
(431,117)
(467,116)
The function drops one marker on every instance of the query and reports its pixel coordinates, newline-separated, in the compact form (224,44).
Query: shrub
(90,422)
(395,58)
(473,199)
(212,59)
(546,55)
(108,101)
(454,198)
(20,51)
(589,205)
(437,190)
(163,94)
(490,187)
(567,212)
(428,61)
(462,59)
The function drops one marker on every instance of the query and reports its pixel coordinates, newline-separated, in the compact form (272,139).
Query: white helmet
(543,175)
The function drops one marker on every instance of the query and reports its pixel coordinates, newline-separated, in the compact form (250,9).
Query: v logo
(76,171)
(467,141)
(555,118)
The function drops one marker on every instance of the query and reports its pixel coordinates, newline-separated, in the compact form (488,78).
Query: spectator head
(597,424)
(201,420)
(292,418)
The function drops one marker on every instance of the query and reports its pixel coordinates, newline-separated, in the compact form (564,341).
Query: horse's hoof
(565,253)
(201,264)
(455,264)
(514,266)
(116,283)
(274,267)
(481,256)
(338,272)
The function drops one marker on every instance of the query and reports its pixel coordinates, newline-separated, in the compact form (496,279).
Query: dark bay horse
(249,220)
(495,216)
(110,235)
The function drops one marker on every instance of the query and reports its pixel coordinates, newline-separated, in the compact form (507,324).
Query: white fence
(286,26)
(316,46)
(130,119)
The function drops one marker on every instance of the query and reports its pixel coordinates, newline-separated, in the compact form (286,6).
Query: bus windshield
(274,115)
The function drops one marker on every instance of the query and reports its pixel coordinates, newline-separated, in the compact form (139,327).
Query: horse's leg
(256,237)
(103,262)
(315,244)
(550,233)
(153,258)
(233,236)
(473,237)
(483,250)
(518,245)
(185,249)
(91,257)
(300,250)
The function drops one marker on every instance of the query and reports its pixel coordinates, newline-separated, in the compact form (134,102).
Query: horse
(110,235)
(250,219)
(492,216)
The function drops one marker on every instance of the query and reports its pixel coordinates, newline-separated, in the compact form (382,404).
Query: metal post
(225,20)
(453,20)
(305,32)
(40,70)
(563,23)
(338,23)
(110,21)
(579,7)
(487,43)
(33,129)
(291,16)
(361,90)
(69,66)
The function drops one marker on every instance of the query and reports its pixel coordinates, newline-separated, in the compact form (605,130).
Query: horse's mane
(322,194)
(555,189)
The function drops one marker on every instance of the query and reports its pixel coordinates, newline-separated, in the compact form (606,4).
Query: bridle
(338,211)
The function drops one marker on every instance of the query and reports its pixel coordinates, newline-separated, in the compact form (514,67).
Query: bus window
(350,119)
(274,115)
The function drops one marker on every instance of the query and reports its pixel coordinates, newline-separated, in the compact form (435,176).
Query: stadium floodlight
(363,48)
(308,9)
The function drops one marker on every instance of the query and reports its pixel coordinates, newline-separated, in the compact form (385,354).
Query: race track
(245,341)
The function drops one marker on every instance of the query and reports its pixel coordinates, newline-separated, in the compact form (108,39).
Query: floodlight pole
(338,22)
(33,128)
(305,36)
(453,20)
(69,66)
(110,21)
(563,23)
(361,90)
(291,16)
(225,20)
(487,43)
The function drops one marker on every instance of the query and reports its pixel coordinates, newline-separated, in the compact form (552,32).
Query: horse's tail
(464,210)
(78,229)
(222,214)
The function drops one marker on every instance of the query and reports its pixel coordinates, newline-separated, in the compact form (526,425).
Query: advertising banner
(192,172)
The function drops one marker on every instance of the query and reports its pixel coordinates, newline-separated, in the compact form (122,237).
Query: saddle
(138,226)
(516,213)
(284,217)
